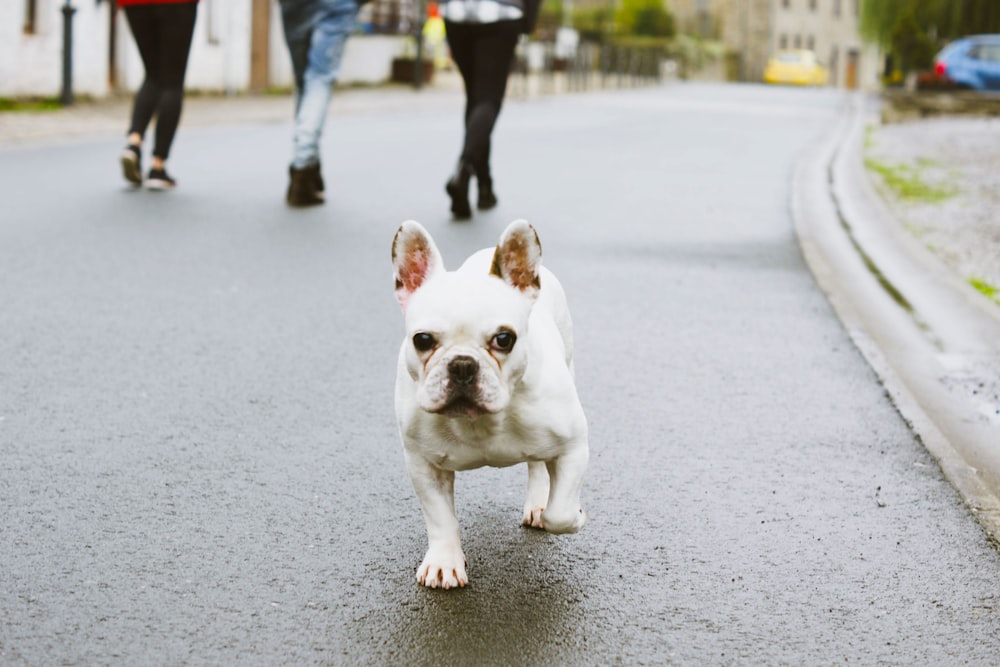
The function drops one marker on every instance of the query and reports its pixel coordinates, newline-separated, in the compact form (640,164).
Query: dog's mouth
(462,406)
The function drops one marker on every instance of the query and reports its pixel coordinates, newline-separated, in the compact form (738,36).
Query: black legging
(163,34)
(483,53)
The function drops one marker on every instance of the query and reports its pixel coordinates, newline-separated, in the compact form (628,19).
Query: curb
(933,341)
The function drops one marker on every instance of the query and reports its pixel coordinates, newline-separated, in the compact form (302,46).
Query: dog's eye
(504,341)
(424,342)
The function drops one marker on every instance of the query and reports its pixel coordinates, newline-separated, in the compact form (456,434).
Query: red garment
(125,3)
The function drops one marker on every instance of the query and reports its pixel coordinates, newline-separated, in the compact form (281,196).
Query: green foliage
(648,18)
(942,19)
(42,104)
(594,24)
(549,18)
(908,182)
(913,30)
(984,288)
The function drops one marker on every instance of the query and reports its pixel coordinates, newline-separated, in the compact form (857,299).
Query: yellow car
(798,67)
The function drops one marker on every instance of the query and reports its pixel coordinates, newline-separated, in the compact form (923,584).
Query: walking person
(482,35)
(162,30)
(316,32)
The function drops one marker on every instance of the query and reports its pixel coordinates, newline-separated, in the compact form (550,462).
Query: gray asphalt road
(200,463)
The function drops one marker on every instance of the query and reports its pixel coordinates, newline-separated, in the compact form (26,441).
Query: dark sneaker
(131,160)
(159,180)
(305,186)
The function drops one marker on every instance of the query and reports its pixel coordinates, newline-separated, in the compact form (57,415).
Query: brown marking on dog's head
(518,258)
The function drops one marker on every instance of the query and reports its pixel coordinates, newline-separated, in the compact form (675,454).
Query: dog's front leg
(444,564)
(563,513)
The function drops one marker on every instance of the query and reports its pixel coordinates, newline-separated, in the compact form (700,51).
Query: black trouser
(483,53)
(163,34)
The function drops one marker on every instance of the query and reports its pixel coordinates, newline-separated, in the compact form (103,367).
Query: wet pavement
(201,463)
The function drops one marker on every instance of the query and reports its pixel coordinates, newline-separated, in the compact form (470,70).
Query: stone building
(754,29)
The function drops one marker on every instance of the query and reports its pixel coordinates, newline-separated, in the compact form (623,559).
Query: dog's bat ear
(518,258)
(415,259)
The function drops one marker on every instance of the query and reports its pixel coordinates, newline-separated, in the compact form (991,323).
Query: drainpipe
(67,70)
(418,63)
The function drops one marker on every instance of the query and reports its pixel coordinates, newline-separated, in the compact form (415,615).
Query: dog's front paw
(563,523)
(443,567)
(532,517)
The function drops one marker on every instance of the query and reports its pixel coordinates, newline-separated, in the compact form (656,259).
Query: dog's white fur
(468,395)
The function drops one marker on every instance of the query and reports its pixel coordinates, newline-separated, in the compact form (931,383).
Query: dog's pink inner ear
(414,262)
(414,270)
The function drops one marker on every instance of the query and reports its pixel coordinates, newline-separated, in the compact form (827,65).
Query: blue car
(971,62)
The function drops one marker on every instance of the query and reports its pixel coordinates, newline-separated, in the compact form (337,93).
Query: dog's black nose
(463,370)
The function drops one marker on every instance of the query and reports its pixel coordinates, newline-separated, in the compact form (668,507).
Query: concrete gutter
(933,340)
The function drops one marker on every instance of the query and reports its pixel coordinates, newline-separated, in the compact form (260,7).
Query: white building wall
(219,61)
(31,65)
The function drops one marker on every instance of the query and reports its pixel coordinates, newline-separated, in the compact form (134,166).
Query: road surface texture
(201,463)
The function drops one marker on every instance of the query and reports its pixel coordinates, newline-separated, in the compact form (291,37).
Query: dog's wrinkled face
(463,346)
(466,331)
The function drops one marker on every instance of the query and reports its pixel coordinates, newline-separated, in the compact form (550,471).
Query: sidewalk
(110,116)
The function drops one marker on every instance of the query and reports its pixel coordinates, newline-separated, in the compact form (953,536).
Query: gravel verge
(947,189)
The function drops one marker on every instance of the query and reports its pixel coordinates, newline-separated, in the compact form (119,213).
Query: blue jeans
(316,32)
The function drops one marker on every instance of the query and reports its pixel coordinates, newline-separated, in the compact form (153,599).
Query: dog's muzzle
(463,389)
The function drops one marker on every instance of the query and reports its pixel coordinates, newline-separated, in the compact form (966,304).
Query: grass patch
(869,137)
(908,182)
(987,290)
(43,104)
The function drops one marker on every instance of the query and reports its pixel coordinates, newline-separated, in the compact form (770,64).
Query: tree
(647,18)
(913,30)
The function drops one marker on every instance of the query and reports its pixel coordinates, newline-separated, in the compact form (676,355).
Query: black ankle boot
(484,186)
(305,186)
(487,198)
(457,188)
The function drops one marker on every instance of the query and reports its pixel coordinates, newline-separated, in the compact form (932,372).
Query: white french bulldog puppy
(485,378)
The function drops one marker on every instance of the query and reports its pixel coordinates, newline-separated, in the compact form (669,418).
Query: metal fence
(591,67)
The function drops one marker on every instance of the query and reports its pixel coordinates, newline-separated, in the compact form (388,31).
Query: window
(798,41)
(30,17)
(782,42)
(836,8)
(785,4)
(810,42)
(812,5)
(985,52)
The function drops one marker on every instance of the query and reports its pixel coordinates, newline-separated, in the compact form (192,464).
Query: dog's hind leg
(538,494)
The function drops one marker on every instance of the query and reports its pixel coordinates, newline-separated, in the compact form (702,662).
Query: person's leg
(461,38)
(142,23)
(335,23)
(297,19)
(487,54)
(176,27)
(494,52)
